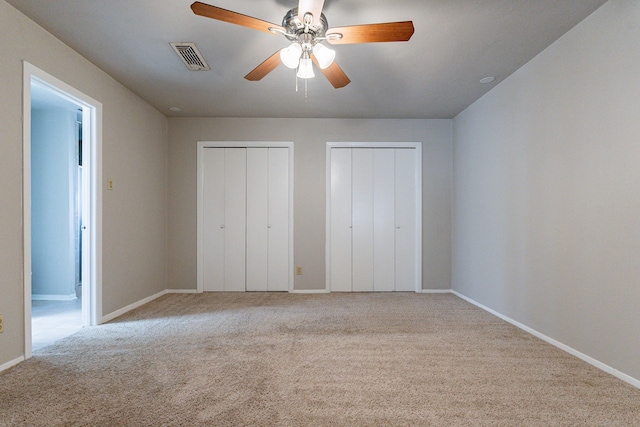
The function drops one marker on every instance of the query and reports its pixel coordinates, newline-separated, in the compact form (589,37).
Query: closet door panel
(213,222)
(384,220)
(405,207)
(278,220)
(257,205)
(235,185)
(362,219)
(340,220)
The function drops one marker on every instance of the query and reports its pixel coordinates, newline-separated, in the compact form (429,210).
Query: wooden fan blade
(225,15)
(373,33)
(334,74)
(313,7)
(270,64)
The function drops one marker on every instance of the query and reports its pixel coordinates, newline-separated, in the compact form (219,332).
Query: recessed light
(174,109)
(488,79)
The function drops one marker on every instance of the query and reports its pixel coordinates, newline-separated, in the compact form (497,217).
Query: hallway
(54,320)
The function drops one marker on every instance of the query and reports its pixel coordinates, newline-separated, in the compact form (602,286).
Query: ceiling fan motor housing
(295,28)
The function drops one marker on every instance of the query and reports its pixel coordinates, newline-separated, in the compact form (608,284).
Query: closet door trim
(418,203)
(202,145)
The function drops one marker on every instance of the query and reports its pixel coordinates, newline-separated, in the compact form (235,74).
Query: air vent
(190,55)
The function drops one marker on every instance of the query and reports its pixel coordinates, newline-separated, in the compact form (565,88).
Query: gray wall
(134,156)
(546,210)
(54,165)
(310,137)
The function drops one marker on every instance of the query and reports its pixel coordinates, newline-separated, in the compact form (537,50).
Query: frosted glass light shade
(305,69)
(290,56)
(324,55)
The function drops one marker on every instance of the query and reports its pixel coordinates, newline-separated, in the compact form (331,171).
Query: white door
(406,243)
(257,205)
(224,222)
(374,240)
(213,221)
(278,220)
(340,214)
(245,205)
(384,220)
(267,219)
(362,213)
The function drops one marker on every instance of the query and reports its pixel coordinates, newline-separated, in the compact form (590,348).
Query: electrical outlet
(1,323)
(299,270)
(109,184)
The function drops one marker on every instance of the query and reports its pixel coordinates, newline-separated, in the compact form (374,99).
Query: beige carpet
(316,360)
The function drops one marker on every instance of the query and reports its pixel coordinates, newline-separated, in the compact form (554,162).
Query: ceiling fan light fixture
(324,55)
(290,56)
(305,69)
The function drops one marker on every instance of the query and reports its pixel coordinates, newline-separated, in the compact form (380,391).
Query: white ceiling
(434,75)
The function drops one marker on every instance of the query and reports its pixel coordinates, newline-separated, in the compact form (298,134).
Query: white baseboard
(590,360)
(43,297)
(309,291)
(130,307)
(182,291)
(325,291)
(11,363)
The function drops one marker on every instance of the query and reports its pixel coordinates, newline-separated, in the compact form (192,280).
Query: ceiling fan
(306,28)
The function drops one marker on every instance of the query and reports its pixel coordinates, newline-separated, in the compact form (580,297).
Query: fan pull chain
(306,92)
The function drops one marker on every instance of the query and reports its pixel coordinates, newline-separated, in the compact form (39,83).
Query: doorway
(61,215)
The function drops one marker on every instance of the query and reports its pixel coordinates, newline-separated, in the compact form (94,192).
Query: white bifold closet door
(246,219)
(373,216)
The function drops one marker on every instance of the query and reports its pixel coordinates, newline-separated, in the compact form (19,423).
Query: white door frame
(418,181)
(200,221)
(91,196)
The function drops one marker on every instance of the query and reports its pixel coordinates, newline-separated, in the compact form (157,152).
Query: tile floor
(53,320)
